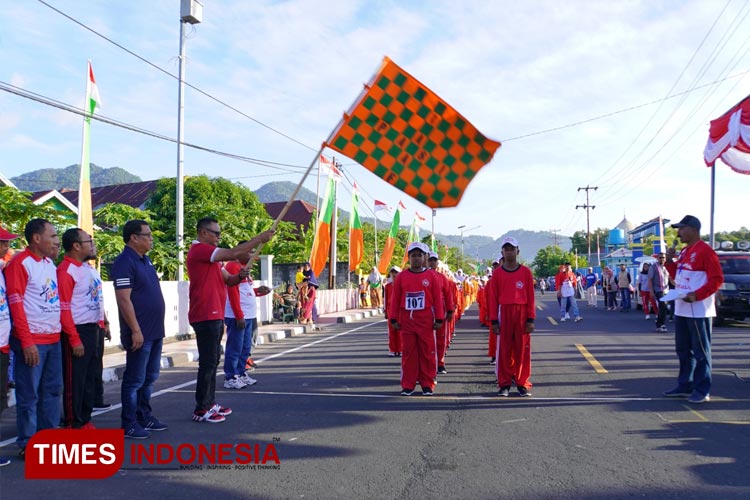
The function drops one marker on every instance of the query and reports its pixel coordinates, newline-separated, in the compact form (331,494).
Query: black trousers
(4,363)
(661,318)
(99,371)
(208,336)
(79,374)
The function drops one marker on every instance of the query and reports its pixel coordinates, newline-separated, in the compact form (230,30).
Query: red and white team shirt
(699,271)
(241,299)
(34,299)
(81,297)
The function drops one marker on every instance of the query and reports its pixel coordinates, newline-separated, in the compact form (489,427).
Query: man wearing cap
(35,309)
(512,310)
(417,310)
(394,336)
(697,279)
(441,333)
(5,239)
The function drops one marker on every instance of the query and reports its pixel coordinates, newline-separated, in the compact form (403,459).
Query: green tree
(548,260)
(17,209)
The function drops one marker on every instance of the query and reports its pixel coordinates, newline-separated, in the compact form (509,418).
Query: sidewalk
(179,351)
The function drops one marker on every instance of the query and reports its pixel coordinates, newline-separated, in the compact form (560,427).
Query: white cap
(509,240)
(396,268)
(433,255)
(418,245)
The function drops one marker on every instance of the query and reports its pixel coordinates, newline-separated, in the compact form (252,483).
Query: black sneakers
(504,392)
(441,369)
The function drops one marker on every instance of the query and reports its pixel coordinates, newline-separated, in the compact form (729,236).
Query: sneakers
(427,392)
(4,461)
(648,317)
(223,410)
(153,424)
(562,319)
(212,415)
(234,383)
(578,319)
(250,364)
(135,431)
(567,315)
(504,392)
(247,380)
(441,369)
(677,392)
(88,426)
(391,354)
(407,392)
(524,392)
(698,398)
(493,361)
(662,328)
(102,406)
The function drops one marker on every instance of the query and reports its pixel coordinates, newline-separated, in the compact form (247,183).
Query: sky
(612,95)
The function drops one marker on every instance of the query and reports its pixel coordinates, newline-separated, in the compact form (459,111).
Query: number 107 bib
(414,301)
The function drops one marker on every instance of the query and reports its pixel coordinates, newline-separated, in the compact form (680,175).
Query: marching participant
(417,310)
(442,333)
(513,290)
(394,336)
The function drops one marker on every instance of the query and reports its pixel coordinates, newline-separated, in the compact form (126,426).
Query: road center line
(598,368)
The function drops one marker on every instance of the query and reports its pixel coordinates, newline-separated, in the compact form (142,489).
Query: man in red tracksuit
(513,290)
(417,310)
(442,334)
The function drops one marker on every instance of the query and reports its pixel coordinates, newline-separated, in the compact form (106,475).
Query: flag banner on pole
(413,235)
(390,242)
(729,138)
(356,237)
(322,242)
(327,167)
(404,133)
(381,207)
(418,219)
(85,209)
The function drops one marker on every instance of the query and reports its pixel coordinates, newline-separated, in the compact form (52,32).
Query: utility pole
(587,206)
(554,235)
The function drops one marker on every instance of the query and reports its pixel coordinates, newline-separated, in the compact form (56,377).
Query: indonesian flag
(381,207)
(327,167)
(418,219)
(85,209)
(729,138)
(356,237)
(390,243)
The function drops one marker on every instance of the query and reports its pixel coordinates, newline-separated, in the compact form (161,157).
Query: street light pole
(461,228)
(191,11)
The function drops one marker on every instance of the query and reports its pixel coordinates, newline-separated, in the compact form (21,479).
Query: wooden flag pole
(288,204)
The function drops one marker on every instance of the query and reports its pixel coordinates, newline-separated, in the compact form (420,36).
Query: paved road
(329,404)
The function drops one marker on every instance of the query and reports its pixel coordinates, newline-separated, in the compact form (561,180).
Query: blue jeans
(238,346)
(692,339)
(625,296)
(38,390)
(141,371)
(568,303)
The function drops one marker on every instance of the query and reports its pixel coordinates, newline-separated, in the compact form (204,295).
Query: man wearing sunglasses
(208,297)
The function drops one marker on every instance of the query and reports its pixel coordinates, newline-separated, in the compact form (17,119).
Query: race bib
(414,301)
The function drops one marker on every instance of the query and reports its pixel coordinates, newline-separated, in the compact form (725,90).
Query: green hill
(69,178)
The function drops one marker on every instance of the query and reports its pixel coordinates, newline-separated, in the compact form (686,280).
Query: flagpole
(375,214)
(434,212)
(85,198)
(713,193)
(288,204)
(334,229)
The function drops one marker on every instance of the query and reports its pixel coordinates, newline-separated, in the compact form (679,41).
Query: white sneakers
(239,382)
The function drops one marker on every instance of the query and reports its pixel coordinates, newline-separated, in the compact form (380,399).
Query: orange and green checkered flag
(404,133)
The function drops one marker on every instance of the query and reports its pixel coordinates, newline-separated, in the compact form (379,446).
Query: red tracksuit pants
(419,357)
(394,339)
(441,343)
(492,347)
(514,361)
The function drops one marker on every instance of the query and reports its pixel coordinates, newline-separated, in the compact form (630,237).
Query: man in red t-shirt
(513,290)
(208,296)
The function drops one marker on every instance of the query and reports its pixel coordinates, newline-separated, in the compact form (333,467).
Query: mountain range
(477,246)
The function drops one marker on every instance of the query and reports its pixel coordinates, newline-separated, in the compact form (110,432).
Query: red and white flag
(418,219)
(327,167)
(381,207)
(729,138)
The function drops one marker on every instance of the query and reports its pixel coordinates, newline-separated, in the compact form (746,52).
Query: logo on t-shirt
(49,292)
(519,285)
(426,282)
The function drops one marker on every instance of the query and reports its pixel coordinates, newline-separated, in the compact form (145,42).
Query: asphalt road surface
(328,404)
